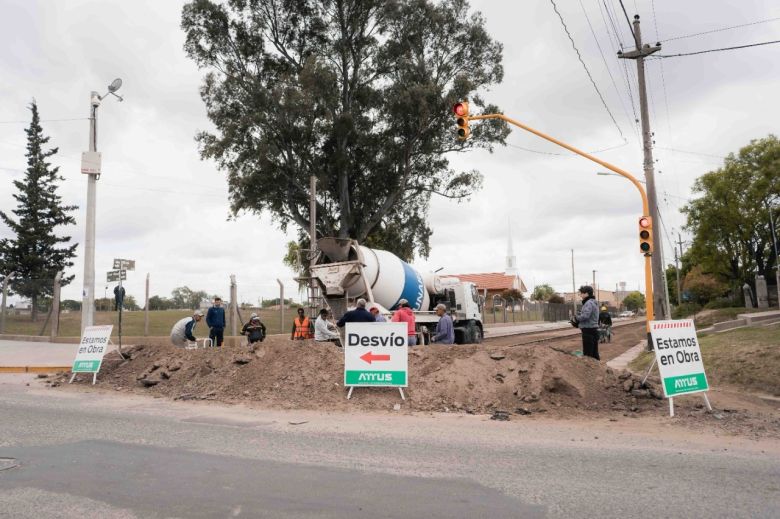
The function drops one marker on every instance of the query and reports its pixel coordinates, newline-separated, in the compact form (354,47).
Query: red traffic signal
(646,235)
(461,111)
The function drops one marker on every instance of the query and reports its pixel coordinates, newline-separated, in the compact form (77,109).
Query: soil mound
(305,374)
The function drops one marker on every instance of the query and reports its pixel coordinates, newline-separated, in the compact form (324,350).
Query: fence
(510,310)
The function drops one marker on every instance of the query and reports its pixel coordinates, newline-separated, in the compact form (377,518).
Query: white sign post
(89,357)
(376,354)
(679,359)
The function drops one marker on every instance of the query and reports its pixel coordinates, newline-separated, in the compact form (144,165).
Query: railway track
(522,339)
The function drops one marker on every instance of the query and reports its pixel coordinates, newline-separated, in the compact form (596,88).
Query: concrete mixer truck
(345,271)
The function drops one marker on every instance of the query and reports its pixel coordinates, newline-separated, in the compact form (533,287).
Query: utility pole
(777,258)
(677,271)
(594,286)
(659,296)
(312,244)
(88,301)
(573,287)
(146,307)
(6,279)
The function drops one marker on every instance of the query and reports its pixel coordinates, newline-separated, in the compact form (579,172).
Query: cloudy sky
(159,204)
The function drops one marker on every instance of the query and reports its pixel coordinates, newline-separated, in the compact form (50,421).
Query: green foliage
(730,219)
(70,304)
(634,301)
(542,292)
(512,293)
(160,303)
(723,302)
(556,299)
(185,297)
(685,310)
(703,287)
(35,252)
(671,282)
(354,92)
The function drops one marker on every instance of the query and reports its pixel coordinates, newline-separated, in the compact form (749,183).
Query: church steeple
(511,260)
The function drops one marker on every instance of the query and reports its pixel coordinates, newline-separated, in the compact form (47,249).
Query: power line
(716,50)
(612,23)
(693,153)
(604,59)
(47,120)
(579,57)
(628,21)
(723,29)
(552,153)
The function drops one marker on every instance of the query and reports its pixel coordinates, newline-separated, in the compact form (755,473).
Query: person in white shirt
(324,330)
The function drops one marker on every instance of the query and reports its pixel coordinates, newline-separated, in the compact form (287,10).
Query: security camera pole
(90,165)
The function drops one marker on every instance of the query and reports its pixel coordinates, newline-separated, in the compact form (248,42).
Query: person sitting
(324,330)
(358,315)
(254,329)
(183,332)
(445,330)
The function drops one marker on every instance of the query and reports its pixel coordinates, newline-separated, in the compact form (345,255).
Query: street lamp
(88,301)
(605,173)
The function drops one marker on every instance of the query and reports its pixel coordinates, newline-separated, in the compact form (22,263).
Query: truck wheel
(473,333)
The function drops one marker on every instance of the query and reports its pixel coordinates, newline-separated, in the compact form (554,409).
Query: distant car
(626,313)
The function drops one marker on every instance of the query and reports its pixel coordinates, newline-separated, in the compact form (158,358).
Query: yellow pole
(629,176)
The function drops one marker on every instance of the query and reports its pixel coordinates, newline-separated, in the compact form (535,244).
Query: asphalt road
(85,454)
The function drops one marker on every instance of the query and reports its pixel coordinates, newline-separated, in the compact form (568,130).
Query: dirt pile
(309,375)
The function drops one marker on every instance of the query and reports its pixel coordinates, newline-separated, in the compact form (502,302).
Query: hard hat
(603,307)
(253,315)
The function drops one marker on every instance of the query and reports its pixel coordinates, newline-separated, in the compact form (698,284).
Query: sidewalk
(21,356)
(513,329)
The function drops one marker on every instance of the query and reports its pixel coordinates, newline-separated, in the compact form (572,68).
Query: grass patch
(160,322)
(746,357)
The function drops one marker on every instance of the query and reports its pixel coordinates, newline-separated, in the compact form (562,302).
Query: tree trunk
(34,309)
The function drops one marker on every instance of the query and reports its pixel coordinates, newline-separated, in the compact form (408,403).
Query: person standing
(378,317)
(324,330)
(358,315)
(404,314)
(301,328)
(254,329)
(215,320)
(588,323)
(445,330)
(183,332)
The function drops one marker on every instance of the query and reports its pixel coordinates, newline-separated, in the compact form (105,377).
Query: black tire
(473,333)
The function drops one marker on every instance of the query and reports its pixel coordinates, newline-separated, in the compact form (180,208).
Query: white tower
(511,259)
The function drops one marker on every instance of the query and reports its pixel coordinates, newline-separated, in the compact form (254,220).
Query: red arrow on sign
(369,357)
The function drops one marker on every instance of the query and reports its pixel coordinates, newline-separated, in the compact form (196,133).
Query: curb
(33,369)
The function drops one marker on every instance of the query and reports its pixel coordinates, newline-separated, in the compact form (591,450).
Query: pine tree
(36,253)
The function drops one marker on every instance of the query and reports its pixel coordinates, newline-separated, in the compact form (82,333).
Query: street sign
(124,264)
(376,354)
(116,275)
(678,356)
(91,162)
(94,344)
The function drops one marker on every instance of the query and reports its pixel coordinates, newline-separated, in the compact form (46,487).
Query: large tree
(35,251)
(354,92)
(732,238)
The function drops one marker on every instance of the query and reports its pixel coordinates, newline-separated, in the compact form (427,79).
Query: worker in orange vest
(302,328)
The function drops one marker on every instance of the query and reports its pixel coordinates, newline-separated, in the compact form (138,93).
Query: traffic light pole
(622,173)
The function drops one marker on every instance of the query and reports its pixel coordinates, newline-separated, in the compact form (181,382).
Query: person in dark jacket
(358,315)
(604,317)
(254,329)
(588,323)
(215,320)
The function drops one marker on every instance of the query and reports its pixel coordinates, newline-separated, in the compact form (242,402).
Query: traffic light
(461,111)
(646,235)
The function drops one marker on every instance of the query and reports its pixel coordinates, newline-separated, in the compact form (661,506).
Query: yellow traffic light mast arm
(629,176)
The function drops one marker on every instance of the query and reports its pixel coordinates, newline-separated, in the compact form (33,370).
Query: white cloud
(159,204)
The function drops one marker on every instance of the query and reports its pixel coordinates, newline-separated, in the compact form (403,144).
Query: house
(493,283)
